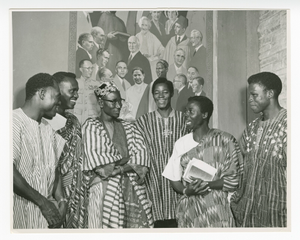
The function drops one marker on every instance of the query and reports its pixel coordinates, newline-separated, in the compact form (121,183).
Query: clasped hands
(197,187)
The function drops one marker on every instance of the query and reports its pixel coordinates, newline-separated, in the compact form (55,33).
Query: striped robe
(261,201)
(36,151)
(107,198)
(220,150)
(160,135)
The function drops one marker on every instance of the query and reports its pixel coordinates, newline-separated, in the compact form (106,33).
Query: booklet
(199,169)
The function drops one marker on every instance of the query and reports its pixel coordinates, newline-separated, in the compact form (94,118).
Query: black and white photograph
(110,108)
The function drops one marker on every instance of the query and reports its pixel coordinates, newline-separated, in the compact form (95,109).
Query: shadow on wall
(19,98)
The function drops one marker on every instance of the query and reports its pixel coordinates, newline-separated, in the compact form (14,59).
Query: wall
(272,31)
(37,47)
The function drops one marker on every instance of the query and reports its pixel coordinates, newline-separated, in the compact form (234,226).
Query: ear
(100,103)
(270,93)
(42,93)
(204,115)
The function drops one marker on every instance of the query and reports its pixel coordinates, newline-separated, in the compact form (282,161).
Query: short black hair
(59,76)
(269,80)
(205,104)
(120,62)
(163,80)
(194,68)
(36,82)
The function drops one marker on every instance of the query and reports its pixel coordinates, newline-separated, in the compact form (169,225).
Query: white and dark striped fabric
(160,135)
(36,151)
(99,151)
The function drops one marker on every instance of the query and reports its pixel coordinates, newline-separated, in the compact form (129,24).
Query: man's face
(179,57)
(171,15)
(162,96)
(88,43)
(191,74)
(196,87)
(161,71)
(69,93)
(133,45)
(145,26)
(177,82)
(86,69)
(103,59)
(258,98)
(195,40)
(121,69)
(51,101)
(193,116)
(107,76)
(155,15)
(112,104)
(138,77)
(179,30)
(100,38)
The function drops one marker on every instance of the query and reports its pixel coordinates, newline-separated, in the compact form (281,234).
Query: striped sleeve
(233,163)
(16,140)
(98,148)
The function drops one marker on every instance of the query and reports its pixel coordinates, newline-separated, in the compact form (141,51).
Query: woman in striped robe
(161,128)
(204,203)
(117,160)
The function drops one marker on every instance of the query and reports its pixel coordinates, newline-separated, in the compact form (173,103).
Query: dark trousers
(169,223)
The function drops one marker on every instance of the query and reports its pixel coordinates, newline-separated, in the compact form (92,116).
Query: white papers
(198,169)
(57,122)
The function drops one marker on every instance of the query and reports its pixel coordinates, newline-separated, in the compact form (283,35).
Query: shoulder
(225,136)
(90,122)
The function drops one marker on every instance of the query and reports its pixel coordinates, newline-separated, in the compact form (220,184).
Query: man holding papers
(204,203)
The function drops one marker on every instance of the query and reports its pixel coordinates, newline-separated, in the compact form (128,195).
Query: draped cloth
(119,202)
(36,151)
(221,151)
(75,183)
(261,201)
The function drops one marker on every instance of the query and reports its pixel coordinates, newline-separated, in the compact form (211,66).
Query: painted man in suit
(198,53)
(99,41)
(119,79)
(197,86)
(180,40)
(183,93)
(157,27)
(177,67)
(137,59)
(105,75)
(85,46)
(102,56)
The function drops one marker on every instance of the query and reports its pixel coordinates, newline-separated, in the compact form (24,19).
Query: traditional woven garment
(160,135)
(36,151)
(261,201)
(74,182)
(118,202)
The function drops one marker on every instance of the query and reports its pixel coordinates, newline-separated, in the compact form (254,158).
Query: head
(179,57)
(155,15)
(138,75)
(68,87)
(172,15)
(86,41)
(192,72)
(264,89)
(42,89)
(102,57)
(144,24)
(162,91)
(162,67)
(196,38)
(181,25)
(133,44)
(121,69)
(109,99)
(197,84)
(180,81)
(198,112)
(105,75)
(98,35)
(86,68)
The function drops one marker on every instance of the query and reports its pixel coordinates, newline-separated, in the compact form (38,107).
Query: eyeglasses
(114,102)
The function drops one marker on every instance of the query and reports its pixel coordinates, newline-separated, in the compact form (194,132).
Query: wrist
(184,192)
(62,200)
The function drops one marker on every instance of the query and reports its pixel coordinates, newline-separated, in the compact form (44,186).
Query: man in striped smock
(38,200)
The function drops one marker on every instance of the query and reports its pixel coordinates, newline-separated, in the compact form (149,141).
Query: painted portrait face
(138,77)
(121,69)
(161,71)
(191,74)
(195,39)
(179,57)
(179,30)
(155,15)
(88,43)
(103,59)
(145,26)
(133,46)
(86,69)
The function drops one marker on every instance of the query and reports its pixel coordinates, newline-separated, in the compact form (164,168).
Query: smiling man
(261,201)
(119,79)
(177,67)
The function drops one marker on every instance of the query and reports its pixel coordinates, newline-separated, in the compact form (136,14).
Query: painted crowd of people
(93,150)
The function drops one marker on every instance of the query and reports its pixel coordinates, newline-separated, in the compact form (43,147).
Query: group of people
(137,60)
(112,173)
(93,150)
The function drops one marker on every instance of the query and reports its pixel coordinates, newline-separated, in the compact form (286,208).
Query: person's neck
(165,112)
(31,109)
(200,132)
(106,118)
(177,65)
(61,111)
(271,111)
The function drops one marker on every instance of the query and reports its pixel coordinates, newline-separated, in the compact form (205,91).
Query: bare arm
(23,189)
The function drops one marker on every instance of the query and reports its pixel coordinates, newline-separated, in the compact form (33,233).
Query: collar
(97,45)
(179,90)
(172,114)
(197,48)
(198,94)
(177,68)
(86,51)
(133,54)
